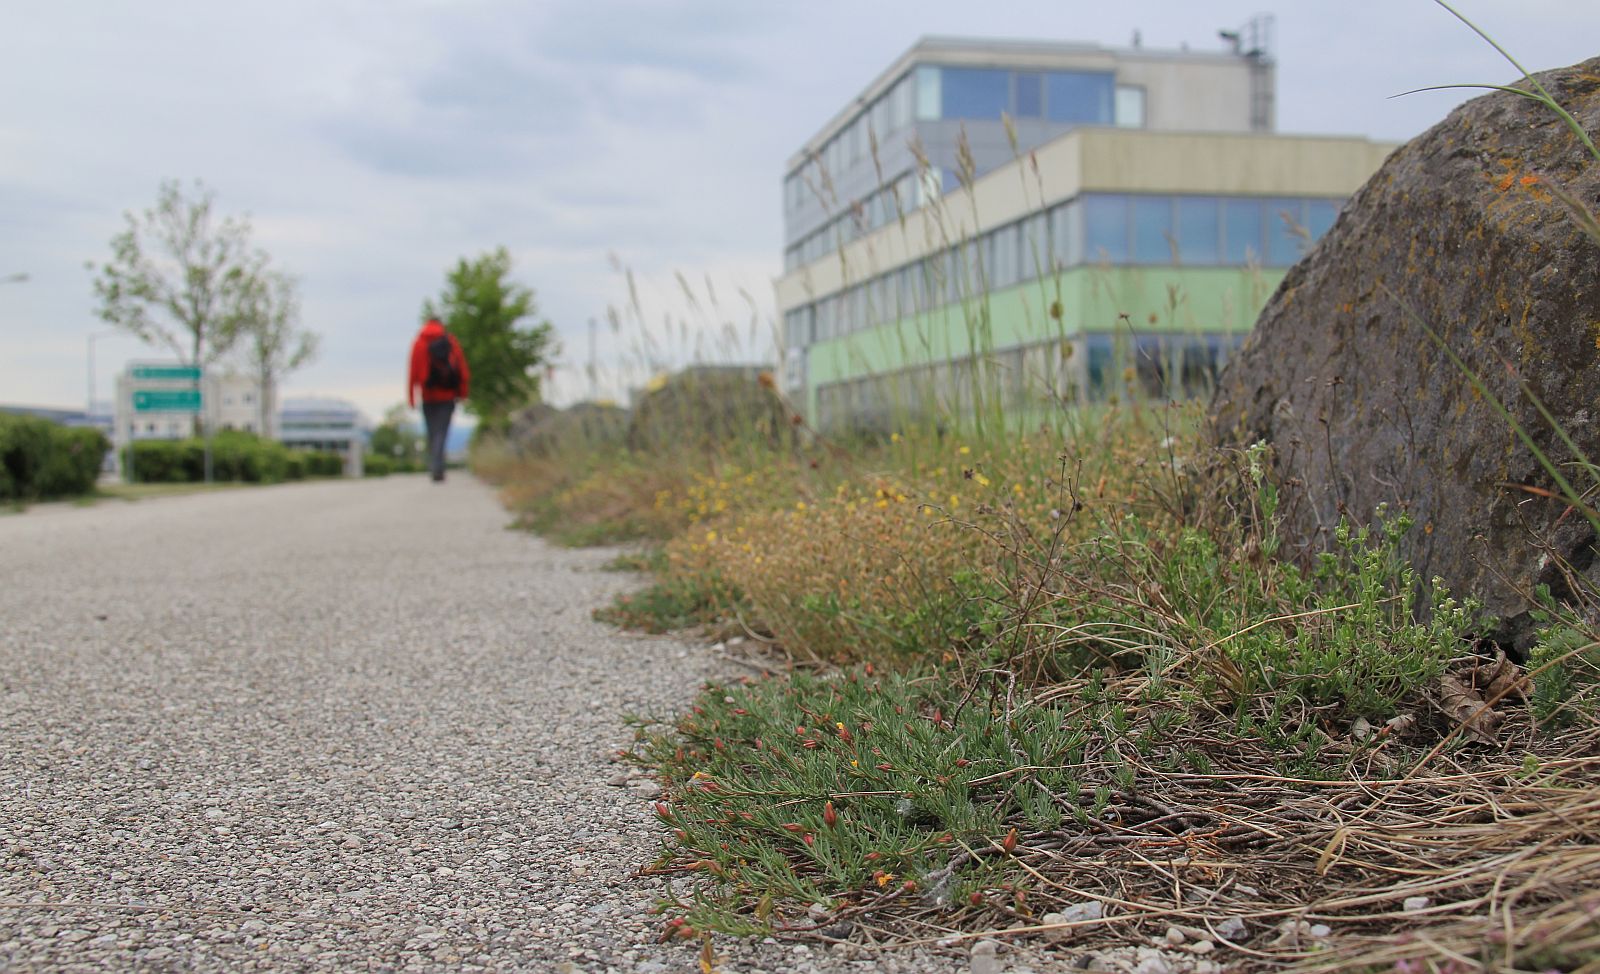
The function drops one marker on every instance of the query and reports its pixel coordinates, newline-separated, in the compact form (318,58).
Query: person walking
(439,369)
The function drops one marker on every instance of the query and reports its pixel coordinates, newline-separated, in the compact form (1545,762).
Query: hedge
(234,456)
(41,460)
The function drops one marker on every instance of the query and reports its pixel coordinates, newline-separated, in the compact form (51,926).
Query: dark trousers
(436,418)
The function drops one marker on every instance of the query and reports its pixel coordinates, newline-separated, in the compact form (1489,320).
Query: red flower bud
(829,816)
(1010,843)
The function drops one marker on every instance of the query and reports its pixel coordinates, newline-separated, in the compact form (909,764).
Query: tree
(274,343)
(395,437)
(179,277)
(485,311)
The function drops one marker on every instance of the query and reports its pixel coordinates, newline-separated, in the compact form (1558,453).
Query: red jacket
(419,367)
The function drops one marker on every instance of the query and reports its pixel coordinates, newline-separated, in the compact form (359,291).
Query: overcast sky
(374,143)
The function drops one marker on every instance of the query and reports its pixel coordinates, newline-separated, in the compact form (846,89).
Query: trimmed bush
(235,456)
(40,459)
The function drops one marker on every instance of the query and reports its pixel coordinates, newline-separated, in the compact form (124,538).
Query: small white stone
(983,960)
(1415,904)
(1320,931)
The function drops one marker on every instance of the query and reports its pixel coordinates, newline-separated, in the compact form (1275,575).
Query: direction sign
(186,373)
(166,401)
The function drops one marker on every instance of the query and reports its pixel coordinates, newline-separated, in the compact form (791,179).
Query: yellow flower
(1016,489)
(882,504)
(799,505)
(965,450)
(711,536)
(894,437)
(981,479)
(955,501)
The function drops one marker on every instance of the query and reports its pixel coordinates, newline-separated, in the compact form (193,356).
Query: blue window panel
(1199,230)
(1320,215)
(928,93)
(1286,228)
(1152,225)
(976,93)
(1105,228)
(1030,94)
(1066,234)
(950,180)
(1241,225)
(1079,96)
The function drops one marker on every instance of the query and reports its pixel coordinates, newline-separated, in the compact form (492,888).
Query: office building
(1044,221)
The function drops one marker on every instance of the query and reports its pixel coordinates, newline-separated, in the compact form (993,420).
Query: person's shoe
(438,478)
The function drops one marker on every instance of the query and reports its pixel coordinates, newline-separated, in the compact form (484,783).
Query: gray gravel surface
(336,726)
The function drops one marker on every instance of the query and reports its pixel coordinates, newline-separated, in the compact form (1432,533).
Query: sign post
(165,390)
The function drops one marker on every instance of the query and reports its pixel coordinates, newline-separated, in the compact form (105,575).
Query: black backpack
(442,371)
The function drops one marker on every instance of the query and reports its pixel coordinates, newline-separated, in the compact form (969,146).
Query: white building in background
(312,423)
(155,402)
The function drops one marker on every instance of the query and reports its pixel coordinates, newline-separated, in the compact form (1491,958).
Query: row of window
(902,195)
(1117,229)
(890,113)
(931,93)
(1158,366)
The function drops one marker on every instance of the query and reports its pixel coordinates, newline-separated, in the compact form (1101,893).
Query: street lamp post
(88,411)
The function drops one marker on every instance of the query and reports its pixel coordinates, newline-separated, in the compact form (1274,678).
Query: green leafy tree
(274,343)
(396,437)
(180,276)
(493,318)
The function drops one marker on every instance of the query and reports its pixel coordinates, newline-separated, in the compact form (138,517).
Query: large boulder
(1463,230)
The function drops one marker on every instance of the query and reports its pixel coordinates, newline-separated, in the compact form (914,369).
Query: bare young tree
(180,277)
(274,343)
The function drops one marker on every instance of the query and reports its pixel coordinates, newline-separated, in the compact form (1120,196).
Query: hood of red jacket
(431,330)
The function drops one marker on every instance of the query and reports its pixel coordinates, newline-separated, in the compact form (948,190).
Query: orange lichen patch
(1528,180)
(1505,182)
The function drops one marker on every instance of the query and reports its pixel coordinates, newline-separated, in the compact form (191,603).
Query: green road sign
(166,401)
(188,373)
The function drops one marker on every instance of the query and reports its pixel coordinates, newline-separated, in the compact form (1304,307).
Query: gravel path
(337,726)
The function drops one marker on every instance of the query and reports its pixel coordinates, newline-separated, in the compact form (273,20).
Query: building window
(1003,270)
(1030,94)
(1152,229)
(929,96)
(1105,225)
(1079,96)
(1320,216)
(902,104)
(1286,232)
(1241,226)
(1130,107)
(1199,234)
(974,93)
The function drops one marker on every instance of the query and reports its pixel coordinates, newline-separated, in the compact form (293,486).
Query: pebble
(983,959)
(1416,904)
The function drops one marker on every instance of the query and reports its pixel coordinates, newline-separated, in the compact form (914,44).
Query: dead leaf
(1501,680)
(1463,705)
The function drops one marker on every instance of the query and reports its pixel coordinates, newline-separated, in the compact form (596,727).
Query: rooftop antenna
(1253,41)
